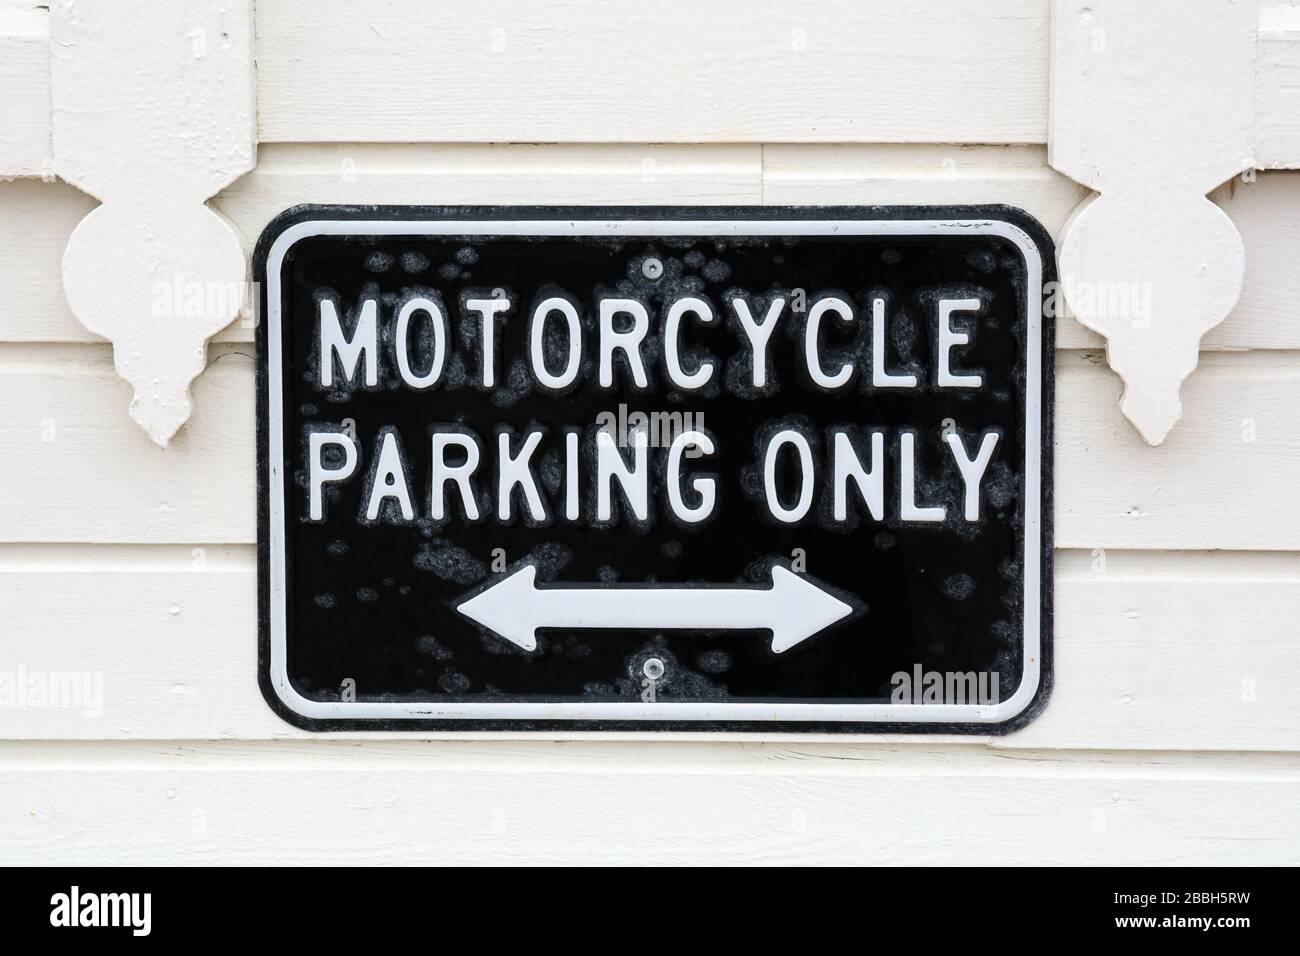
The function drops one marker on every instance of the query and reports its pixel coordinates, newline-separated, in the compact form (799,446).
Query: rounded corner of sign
(282,233)
(1028,234)
(289,705)
(1022,707)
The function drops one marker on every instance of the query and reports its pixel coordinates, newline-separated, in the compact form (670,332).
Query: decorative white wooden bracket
(1154,103)
(153,113)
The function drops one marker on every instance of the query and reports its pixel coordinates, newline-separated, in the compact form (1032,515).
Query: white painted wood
(66,435)
(864,174)
(153,113)
(1155,651)
(1265,211)
(291,111)
(672,804)
(1173,649)
(1277,87)
(39,216)
(506,174)
(1268,219)
(1139,117)
(676,71)
(1216,485)
(25,139)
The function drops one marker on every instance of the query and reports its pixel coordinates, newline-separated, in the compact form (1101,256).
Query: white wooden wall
(1173,732)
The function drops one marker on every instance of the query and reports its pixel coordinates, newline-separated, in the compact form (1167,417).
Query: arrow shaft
(659,607)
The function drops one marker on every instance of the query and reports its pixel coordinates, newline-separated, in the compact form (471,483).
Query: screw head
(653,668)
(652,268)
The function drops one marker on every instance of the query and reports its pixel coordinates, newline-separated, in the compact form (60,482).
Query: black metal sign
(691,469)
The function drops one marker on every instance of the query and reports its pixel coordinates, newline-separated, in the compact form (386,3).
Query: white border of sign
(666,710)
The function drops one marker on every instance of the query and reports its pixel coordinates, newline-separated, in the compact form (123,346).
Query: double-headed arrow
(793,608)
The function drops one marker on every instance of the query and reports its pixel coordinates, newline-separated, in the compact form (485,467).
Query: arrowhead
(505,608)
(800,609)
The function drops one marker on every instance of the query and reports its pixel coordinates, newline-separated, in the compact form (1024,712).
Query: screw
(652,268)
(653,668)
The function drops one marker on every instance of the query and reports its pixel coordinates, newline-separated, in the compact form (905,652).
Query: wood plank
(1216,483)
(677,71)
(469,174)
(1173,649)
(40,216)
(1277,86)
(289,803)
(1266,211)
(945,175)
(1155,651)
(26,141)
(78,469)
